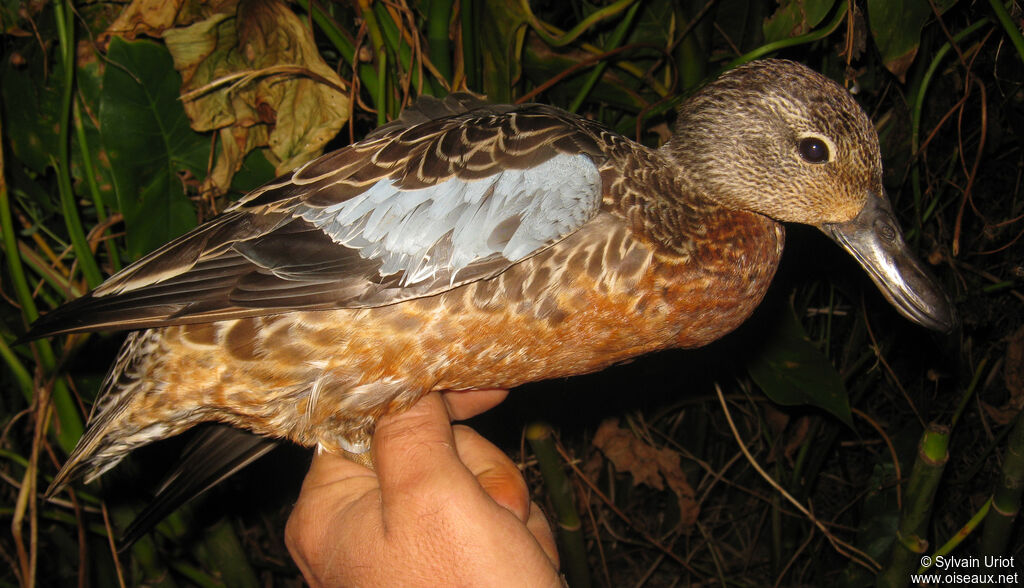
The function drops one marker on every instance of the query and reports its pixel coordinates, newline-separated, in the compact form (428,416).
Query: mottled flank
(469,245)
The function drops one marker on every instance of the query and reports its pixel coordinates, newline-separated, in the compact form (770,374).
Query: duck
(469,245)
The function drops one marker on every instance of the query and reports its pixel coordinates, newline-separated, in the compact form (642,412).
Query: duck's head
(779,139)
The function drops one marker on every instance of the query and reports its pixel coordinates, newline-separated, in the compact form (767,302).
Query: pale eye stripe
(446,227)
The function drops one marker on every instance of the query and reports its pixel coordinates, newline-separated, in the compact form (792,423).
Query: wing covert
(447,227)
(420,207)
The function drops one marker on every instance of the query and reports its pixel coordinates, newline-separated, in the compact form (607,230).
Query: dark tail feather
(214,455)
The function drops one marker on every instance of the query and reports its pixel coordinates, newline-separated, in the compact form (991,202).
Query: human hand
(444,507)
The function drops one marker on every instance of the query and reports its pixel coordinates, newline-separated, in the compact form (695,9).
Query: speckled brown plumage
(280,319)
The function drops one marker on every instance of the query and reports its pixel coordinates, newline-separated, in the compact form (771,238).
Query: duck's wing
(455,191)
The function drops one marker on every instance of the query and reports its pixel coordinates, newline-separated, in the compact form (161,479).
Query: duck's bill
(874,238)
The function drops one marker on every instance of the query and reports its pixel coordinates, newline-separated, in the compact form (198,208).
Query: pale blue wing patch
(446,227)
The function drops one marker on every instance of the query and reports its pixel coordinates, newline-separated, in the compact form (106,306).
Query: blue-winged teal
(470,245)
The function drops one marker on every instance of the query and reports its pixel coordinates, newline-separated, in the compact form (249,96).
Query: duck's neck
(664,207)
(716,261)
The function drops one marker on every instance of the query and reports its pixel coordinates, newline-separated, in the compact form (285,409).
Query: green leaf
(896,27)
(795,17)
(792,371)
(255,172)
(30,100)
(742,21)
(149,142)
(503,29)
(655,25)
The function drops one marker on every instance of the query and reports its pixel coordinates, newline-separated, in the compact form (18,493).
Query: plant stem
(613,43)
(1009,26)
(470,44)
(915,118)
(89,171)
(62,163)
(437,36)
(367,74)
(560,492)
(962,534)
(594,18)
(792,41)
(1006,497)
(910,544)
(381,56)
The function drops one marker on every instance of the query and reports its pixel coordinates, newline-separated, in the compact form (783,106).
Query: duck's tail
(111,433)
(214,455)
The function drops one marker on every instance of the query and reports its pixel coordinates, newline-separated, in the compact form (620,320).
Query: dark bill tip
(875,240)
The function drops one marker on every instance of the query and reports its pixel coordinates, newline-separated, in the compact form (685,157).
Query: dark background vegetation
(125,124)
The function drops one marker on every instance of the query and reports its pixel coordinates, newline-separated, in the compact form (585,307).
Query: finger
(495,472)
(414,452)
(464,404)
(332,485)
(333,490)
(331,468)
(539,527)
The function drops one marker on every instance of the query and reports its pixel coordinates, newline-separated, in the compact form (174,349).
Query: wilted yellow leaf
(257,78)
(153,17)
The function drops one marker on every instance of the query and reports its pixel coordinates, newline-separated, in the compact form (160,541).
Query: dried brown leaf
(649,465)
(628,454)
(797,437)
(776,420)
(1013,376)
(1000,415)
(669,464)
(593,467)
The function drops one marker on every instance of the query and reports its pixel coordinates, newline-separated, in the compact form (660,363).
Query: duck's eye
(813,150)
